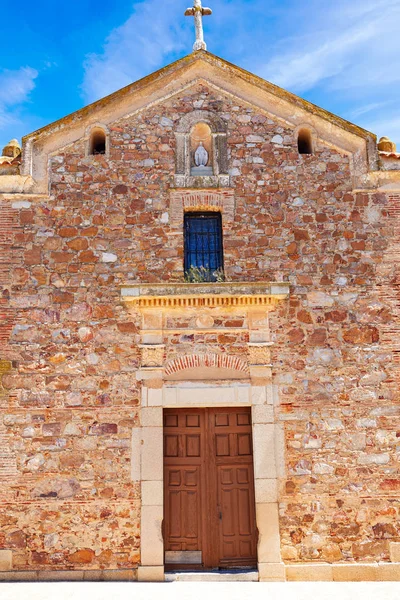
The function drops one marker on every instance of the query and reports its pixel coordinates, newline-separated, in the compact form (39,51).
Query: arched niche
(97,140)
(305,136)
(197,129)
(201,150)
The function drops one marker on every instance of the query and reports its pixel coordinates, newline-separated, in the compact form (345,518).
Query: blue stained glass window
(203,243)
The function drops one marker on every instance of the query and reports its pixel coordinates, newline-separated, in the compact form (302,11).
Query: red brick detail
(220,361)
(11,256)
(189,200)
(390,289)
(8,461)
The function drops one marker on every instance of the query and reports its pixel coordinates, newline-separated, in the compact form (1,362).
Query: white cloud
(343,55)
(367,108)
(136,48)
(348,47)
(15,87)
(388,125)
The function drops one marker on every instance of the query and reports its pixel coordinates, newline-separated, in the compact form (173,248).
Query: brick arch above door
(207,366)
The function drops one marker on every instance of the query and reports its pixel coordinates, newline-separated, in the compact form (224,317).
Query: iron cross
(198,12)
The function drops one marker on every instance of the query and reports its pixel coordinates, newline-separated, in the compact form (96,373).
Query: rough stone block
(152,493)
(119,575)
(152,416)
(309,572)
(149,574)
(266,490)
(136,453)
(152,547)
(258,394)
(394,549)
(388,572)
(5,560)
(18,575)
(268,526)
(262,413)
(355,572)
(60,575)
(271,572)
(152,453)
(154,397)
(264,451)
(93,575)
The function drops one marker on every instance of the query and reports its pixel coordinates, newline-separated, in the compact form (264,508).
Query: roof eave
(216,60)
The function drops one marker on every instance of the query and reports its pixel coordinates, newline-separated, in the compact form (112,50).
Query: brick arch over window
(219,364)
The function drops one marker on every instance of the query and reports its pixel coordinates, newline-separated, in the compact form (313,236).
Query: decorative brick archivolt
(182,201)
(219,361)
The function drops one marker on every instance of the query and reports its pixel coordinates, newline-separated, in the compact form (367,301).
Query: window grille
(203,244)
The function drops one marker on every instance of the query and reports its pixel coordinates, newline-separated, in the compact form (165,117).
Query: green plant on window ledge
(203,275)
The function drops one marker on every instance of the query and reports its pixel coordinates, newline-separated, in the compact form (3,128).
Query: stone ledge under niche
(201,181)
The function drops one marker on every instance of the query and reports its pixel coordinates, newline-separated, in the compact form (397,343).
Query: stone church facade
(110,338)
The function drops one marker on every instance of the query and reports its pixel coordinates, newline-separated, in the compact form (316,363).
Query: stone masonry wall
(73,398)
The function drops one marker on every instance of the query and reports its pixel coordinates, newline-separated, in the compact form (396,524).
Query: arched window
(97,143)
(304,142)
(203,246)
(201,159)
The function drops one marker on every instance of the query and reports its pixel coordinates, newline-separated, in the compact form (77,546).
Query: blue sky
(343,55)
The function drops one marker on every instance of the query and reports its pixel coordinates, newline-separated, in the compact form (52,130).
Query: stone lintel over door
(207,377)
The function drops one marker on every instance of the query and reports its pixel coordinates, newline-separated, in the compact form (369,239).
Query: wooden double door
(209,505)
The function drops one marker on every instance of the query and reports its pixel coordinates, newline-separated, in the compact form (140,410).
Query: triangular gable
(200,66)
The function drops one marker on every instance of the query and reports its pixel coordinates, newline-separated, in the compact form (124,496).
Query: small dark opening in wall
(304,142)
(98,142)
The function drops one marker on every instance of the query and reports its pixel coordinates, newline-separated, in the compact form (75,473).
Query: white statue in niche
(201,156)
(200,150)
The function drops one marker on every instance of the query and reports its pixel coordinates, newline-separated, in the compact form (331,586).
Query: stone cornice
(192,295)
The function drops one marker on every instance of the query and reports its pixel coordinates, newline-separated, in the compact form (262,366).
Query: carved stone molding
(204,306)
(152,355)
(210,295)
(204,321)
(259,353)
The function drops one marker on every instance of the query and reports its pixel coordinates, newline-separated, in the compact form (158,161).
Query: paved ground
(199,590)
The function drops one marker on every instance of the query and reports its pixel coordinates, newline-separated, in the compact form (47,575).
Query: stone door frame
(268,452)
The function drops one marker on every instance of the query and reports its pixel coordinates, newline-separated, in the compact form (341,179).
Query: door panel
(183,486)
(237,529)
(209,513)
